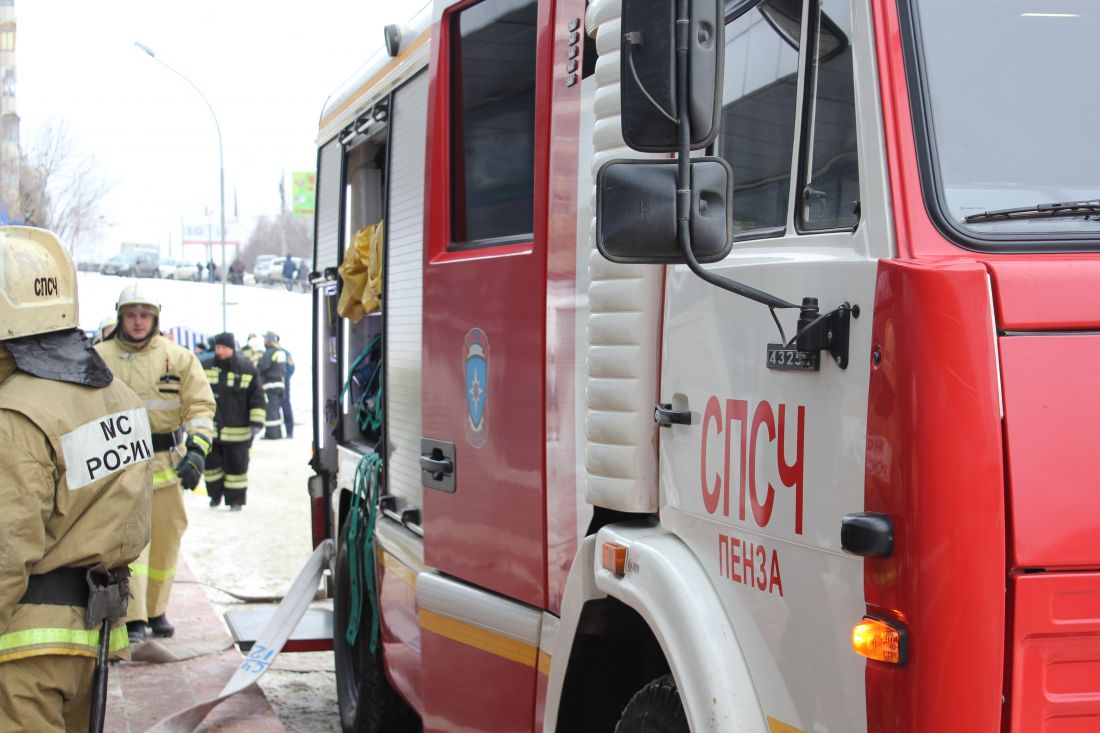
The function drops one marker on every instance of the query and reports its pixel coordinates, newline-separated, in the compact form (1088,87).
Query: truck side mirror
(648,73)
(636,211)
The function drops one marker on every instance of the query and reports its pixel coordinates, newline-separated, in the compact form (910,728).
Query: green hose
(366,487)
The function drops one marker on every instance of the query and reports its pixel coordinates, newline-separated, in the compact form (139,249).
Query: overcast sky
(266,67)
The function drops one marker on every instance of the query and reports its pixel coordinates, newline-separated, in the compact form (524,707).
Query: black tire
(367,702)
(656,708)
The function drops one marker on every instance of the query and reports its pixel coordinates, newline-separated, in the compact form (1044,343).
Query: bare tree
(270,234)
(61,189)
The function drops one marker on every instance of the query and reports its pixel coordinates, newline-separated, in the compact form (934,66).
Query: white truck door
(758,482)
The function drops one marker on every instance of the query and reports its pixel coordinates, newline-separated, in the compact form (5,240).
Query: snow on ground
(256,552)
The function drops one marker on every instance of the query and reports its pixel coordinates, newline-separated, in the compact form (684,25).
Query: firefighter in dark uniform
(272,368)
(288,411)
(181,412)
(75,470)
(239,418)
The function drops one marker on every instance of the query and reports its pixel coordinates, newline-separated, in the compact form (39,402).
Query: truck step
(312,634)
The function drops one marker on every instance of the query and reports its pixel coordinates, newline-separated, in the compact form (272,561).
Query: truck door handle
(665,416)
(436,466)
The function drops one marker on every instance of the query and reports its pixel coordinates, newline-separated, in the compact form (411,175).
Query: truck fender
(580,587)
(665,583)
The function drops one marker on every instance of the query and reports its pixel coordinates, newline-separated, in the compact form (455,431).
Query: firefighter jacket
(75,471)
(176,392)
(272,367)
(240,398)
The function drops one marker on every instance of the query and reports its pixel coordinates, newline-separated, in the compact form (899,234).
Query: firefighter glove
(191,466)
(190,469)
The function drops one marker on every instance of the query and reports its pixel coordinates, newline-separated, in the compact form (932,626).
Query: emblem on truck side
(475,351)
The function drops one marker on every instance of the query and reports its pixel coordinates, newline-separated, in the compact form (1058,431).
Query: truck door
(482,452)
(758,483)
(484,308)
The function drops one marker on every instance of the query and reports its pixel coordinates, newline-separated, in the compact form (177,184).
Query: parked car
(186,270)
(171,269)
(275,269)
(167,268)
(261,266)
(133,263)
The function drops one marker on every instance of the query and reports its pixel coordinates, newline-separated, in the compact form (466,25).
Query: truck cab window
(758,115)
(987,148)
(493,123)
(830,181)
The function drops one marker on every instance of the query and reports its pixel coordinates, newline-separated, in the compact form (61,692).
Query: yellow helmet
(137,294)
(37,283)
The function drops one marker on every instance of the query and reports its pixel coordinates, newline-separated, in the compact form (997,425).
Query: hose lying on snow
(265,649)
(319,596)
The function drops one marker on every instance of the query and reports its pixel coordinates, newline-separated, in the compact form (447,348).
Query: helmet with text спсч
(37,283)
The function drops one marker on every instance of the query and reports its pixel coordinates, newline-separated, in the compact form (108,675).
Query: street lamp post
(221,166)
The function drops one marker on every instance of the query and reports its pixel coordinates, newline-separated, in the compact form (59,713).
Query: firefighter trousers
(227,473)
(45,694)
(288,411)
(152,573)
(273,422)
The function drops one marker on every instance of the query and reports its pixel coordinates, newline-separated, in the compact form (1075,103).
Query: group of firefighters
(95,443)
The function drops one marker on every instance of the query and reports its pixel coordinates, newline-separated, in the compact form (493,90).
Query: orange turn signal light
(880,640)
(614,558)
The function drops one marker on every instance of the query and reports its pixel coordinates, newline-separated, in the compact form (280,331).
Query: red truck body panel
(1052,399)
(934,464)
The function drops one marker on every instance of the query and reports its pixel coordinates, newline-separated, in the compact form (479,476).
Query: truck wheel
(367,702)
(656,708)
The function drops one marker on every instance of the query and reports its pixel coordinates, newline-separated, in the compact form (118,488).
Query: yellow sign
(303,190)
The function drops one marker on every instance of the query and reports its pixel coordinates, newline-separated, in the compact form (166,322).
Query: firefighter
(253,348)
(288,411)
(106,326)
(75,467)
(181,411)
(272,368)
(239,419)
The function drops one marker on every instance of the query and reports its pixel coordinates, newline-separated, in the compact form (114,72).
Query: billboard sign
(303,191)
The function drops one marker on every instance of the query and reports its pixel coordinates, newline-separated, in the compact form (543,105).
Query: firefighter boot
(136,631)
(160,626)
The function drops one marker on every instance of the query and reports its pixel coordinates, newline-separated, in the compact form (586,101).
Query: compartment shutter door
(404,284)
(326,246)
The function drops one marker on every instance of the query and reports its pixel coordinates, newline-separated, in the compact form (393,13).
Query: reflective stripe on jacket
(272,367)
(239,397)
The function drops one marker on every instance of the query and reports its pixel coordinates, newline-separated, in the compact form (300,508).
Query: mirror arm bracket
(683,192)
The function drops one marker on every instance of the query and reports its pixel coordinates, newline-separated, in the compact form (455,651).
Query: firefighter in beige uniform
(179,400)
(75,466)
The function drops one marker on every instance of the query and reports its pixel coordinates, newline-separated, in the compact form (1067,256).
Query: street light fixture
(221,166)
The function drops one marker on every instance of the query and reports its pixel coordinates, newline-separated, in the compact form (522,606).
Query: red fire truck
(732,371)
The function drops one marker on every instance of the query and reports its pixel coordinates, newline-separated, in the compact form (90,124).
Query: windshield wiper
(1040,211)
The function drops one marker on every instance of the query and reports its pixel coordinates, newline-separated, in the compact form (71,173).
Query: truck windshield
(1008,124)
